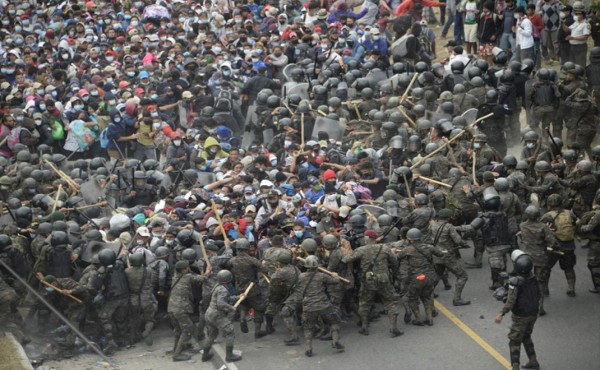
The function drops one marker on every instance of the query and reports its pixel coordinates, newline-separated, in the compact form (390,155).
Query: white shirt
(524,33)
(580,29)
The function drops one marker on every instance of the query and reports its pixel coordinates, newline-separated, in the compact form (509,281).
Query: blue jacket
(380,45)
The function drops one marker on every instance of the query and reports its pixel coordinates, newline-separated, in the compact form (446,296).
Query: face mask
(94,93)
(298,233)
(213,150)
(117,119)
(127,16)
(135,23)
(38,122)
(156,125)
(18,28)
(154,97)
(65,56)
(140,242)
(53,93)
(376,38)
(131,73)
(181,20)
(274,162)
(5,22)
(341,40)
(476,145)
(85,98)
(177,142)
(287,143)
(530,145)
(20,119)
(40,92)
(80,107)
(112,102)
(250,198)
(249,228)
(169,241)
(49,290)
(157,235)
(517,16)
(42,106)
(109,79)
(226,73)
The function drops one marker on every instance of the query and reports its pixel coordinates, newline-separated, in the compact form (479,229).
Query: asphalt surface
(568,337)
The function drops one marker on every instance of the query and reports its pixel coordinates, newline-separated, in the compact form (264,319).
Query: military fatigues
(376,260)
(445,236)
(565,242)
(582,126)
(546,186)
(590,228)
(113,311)
(142,303)
(310,293)
(422,278)
(8,300)
(181,309)
(522,300)
(74,311)
(219,316)
(511,206)
(245,269)
(497,243)
(570,110)
(419,218)
(283,282)
(534,239)
(544,97)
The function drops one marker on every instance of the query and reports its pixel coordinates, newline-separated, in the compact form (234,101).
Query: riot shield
(375,77)
(287,71)
(91,191)
(335,129)
(300,89)
(268,136)
(91,249)
(470,115)
(374,210)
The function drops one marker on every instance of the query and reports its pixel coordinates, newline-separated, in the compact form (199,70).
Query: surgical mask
(220,212)
(117,119)
(139,242)
(341,40)
(226,73)
(20,119)
(530,145)
(287,143)
(42,106)
(49,290)
(250,198)
(169,241)
(38,122)
(213,150)
(517,16)
(112,102)
(131,73)
(65,56)
(177,142)
(135,23)
(54,93)
(8,71)
(249,228)
(430,188)
(85,98)
(376,38)
(156,125)
(18,28)
(127,17)
(157,235)
(154,97)
(94,93)
(109,79)
(476,145)
(12,11)
(181,19)
(298,233)
(41,92)
(274,162)
(80,107)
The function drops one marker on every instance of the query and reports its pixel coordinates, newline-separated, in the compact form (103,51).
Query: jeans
(447,25)
(459,28)
(442,13)
(507,41)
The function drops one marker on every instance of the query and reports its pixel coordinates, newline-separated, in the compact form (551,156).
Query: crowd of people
(203,163)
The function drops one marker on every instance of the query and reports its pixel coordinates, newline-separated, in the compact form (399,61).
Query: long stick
(92,345)
(473,167)
(266,278)
(408,88)
(204,255)
(61,291)
(407,185)
(435,181)
(99,204)
(325,271)
(357,112)
(448,142)
(302,130)
(407,117)
(56,197)
(214,207)
(241,299)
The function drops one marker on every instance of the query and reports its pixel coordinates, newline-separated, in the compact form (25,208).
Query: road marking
(482,343)
(221,353)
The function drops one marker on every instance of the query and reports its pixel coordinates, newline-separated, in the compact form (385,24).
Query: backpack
(14,137)
(399,47)
(362,192)
(104,137)
(223,102)
(563,225)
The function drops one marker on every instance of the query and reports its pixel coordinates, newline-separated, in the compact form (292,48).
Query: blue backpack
(104,138)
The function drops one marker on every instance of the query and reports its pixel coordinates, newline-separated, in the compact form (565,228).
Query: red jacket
(538,25)
(409,5)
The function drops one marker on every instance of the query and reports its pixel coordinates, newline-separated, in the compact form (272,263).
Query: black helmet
(595,54)
(543,74)
(530,136)
(457,67)
(92,234)
(569,155)
(554,200)
(501,184)
(284,256)
(482,64)
(515,66)
(384,220)
(330,241)
(398,68)
(334,102)
(59,238)
(208,111)
(509,161)
(242,244)
(477,223)
(186,238)
(189,254)
(273,101)
(421,67)
(491,199)
(473,72)
(447,107)
(162,252)
(595,150)
(29,183)
(527,66)
(421,199)
(507,77)
(522,263)
(45,228)
(367,93)
(150,164)
(107,257)
(362,83)
(532,213)
(136,259)
(224,276)
(542,166)
(491,96)
(500,58)
(5,241)
(414,234)
(578,71)
(459,89)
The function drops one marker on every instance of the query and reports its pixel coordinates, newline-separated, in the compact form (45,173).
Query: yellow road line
(482,343)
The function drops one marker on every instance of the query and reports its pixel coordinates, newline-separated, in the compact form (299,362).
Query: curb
(220,361)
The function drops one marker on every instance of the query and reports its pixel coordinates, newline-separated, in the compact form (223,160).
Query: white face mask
(530,145)
(476,145)
(177,142)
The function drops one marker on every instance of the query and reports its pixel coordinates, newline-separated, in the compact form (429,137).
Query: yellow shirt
(144,134)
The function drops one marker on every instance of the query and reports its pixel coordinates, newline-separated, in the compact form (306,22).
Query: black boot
(270,328)
(206,355)
(230,356)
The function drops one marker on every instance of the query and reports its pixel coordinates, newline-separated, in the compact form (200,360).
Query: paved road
(567,338)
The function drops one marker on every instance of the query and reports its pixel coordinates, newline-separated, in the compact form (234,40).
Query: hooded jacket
(207,155)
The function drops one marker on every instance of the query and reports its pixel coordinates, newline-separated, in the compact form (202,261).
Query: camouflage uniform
(8,300)
(181,309)
(219,316)
(283,282)
(142,303)
(422,278)
(522,300)
(590,227)
(566,247)
(376,260)
(446,237)
(534,239)
(74,312)
(419,218)
(511,206)
(310,293)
